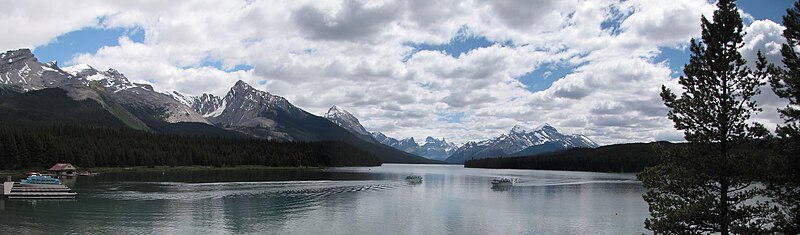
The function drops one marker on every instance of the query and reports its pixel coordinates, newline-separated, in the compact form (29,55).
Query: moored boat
(40,180)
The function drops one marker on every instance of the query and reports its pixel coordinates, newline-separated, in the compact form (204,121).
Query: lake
(358,200)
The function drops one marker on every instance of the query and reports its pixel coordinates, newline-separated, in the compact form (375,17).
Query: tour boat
(40,180)
(504,181)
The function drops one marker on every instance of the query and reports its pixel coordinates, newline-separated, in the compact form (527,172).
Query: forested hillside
(612,158)
(93,146)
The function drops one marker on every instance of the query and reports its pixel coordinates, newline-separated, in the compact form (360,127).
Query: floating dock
(15,190)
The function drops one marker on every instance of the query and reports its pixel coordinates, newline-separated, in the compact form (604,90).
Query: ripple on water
(222,190)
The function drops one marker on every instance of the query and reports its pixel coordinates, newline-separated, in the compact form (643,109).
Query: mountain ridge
(520,140)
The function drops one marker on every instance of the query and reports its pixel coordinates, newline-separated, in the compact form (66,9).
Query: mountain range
(41,93)
(108,97)
(518,142)
(432,148)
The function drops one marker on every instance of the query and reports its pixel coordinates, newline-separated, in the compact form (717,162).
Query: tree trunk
(723,208)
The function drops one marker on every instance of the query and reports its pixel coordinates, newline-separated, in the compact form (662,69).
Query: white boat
(504,181)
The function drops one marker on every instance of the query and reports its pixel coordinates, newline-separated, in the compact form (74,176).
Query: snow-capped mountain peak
(518,140)
(518,129)
(111,78)
(207,105)
(347,121)
(432,148)
(78,68)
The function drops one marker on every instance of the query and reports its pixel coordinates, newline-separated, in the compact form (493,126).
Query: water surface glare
(350,200)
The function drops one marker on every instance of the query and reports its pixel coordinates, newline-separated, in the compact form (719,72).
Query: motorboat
(414,179)
(504,181)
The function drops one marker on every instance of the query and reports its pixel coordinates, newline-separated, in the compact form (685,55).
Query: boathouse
(63,169)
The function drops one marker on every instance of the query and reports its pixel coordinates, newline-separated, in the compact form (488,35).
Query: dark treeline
(24,147)
(612,158)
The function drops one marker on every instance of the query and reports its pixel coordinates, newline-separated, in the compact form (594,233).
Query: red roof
(61,167)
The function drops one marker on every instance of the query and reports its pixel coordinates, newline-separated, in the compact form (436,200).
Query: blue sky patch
(676,59)
(86,40)
(773,10)
(451,118)
(208,62)
(544,76)
(463,42)
(613,23)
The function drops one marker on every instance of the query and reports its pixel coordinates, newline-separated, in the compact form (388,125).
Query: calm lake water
(375,200)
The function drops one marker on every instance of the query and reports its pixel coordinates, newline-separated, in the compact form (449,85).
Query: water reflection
(374,200)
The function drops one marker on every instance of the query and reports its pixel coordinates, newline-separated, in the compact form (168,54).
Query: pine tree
(702,188)
(784,180)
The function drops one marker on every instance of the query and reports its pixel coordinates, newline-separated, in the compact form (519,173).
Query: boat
(504,181)
(40,180)
(86,173)
(414,179)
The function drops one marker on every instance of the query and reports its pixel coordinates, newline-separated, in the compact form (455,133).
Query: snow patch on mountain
(519,139)
(348,121)
(432,148)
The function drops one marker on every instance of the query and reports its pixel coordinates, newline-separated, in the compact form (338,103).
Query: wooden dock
(15,190)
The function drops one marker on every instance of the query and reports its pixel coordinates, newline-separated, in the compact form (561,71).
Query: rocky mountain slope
(344,119)
(520,140)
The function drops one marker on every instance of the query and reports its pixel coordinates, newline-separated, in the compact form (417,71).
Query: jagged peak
(338,111)
(12,56)
(519,129)
(378,133)
(242,85)
(52,64)
(409,139)
(80,69)
(548,127)
(17,52)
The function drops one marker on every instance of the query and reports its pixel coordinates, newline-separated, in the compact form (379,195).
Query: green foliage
(95,146)
(784,179)
(705,187)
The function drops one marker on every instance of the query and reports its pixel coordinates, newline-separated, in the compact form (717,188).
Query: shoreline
(5,173)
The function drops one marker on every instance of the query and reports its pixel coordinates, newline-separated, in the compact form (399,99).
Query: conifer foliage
(784,177)
(702,188)
(24,147)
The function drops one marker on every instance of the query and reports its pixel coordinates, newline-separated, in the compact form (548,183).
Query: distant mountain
(432,148)
(140,99)
(21,71)
(349,122)
(610,158)
(43,94)
(520,140)
(436,149)
(263,115)
(385,140)
(40,94)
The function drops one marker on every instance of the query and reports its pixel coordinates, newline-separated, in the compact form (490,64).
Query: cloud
(355,54)
(35,23)
(767,37)
(353,21)
(522,14)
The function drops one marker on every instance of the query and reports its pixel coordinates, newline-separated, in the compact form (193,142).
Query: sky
(457,69)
